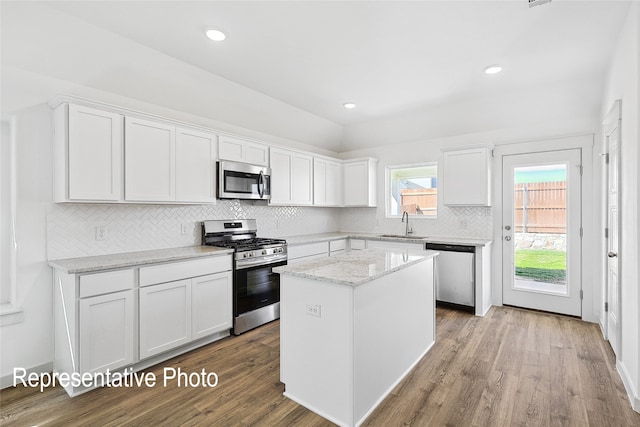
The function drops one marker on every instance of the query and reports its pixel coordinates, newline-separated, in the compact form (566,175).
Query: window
(413,189)
(9,313)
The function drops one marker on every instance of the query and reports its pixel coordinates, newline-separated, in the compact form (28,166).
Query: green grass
(541,265)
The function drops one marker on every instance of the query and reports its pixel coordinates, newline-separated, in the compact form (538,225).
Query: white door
(95,154)
(541,231)
(612,135)
(301,179)
(195,166)
(211,303)
(165,317)
(106,332)
(150,152)
(280,177)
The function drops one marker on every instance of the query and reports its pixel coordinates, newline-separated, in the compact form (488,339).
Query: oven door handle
(260,262)
(261,184)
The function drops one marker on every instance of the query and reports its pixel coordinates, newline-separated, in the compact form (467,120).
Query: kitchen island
(352,326)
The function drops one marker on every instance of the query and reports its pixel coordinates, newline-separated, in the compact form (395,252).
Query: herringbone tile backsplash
(71,228)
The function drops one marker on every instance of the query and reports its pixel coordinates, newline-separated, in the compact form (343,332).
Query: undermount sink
(400,236)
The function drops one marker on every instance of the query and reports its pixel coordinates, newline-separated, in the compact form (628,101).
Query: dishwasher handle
(450,248)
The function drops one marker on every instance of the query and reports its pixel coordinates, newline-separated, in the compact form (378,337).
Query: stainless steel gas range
(256,288)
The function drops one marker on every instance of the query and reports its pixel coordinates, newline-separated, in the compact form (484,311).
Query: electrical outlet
(314,310)
(463,224)
(101,232)
(184,229)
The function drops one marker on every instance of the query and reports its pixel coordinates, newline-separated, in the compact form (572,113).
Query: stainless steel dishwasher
(455,275)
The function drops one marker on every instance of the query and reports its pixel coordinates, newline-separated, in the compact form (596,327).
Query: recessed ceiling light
(493,69)
(349,105)
(215,34)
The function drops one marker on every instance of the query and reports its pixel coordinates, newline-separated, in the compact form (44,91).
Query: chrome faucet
(407,228)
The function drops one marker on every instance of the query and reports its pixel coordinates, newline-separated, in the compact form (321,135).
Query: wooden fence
(540,207)
(420,201)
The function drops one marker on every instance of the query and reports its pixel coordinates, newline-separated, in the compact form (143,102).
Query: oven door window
(256,287)
(240,182)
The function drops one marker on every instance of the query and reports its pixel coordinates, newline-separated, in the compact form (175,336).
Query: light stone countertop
(132,259)
(304,239)
(356,267)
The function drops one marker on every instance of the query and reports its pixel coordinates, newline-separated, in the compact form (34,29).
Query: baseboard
(634,399)
(7,380)
(602,329)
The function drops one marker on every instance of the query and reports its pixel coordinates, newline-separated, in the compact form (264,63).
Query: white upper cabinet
(240,150)
(168,164)
(360,182)
(88,154)
(150,160)
(291,177)
(467,177)
(327,182)
(195,166)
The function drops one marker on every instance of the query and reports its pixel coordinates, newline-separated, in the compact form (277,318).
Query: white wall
(622,83)
(29,344)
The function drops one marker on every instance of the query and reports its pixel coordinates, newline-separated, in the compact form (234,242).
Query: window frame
(10,312)
(387,188)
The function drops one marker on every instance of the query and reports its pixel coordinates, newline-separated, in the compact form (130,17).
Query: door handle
(261,185)
(612,254)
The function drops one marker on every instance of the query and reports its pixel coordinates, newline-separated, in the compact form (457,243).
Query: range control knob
(264,252)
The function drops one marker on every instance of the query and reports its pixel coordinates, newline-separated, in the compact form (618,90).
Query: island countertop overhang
(355,268)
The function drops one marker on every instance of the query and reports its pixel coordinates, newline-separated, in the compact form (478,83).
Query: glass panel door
(541,231)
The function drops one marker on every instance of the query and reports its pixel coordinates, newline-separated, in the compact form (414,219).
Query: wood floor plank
(512,367)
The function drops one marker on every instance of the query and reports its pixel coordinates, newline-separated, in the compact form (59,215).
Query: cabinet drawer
(357,244)
(337,245)
(184,269)
(307,250)
(104,283)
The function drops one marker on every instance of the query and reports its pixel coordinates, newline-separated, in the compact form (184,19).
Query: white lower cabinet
(176,313)
(165,317)
(132,318)
(106,332)
(210,304)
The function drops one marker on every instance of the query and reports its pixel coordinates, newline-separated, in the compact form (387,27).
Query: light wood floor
(512,367)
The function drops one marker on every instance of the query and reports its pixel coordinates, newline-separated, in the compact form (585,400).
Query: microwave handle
(261,185)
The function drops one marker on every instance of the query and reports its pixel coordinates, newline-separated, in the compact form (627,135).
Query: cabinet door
(211,304)
(280,176)
(106,332)
(333,184)
(195,166)
(95,154)
(356,184)
(231,149)
(239,150)
(165,317)
(301,179)
(467,178)
(360,183)
(327,183)
(149,161)
(319,182)
(257,154)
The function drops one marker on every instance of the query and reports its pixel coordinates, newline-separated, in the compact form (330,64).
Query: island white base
(344,348)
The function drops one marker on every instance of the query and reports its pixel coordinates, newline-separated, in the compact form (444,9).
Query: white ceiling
(389,57)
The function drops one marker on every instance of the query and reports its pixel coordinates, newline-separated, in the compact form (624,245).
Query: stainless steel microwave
(243,181)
